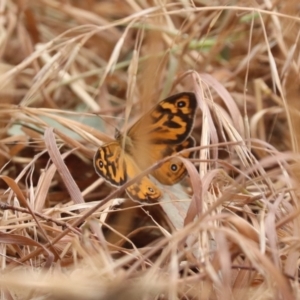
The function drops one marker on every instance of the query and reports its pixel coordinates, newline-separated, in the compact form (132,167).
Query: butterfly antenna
(117,133)
(104,119)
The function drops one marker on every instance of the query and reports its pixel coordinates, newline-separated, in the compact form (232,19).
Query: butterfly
(163,131)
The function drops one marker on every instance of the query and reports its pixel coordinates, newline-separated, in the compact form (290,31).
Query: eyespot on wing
(173,171)
(144,190)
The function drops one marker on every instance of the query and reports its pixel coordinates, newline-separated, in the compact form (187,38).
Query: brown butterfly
(163,131)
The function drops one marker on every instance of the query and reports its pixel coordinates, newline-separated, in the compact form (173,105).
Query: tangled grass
(73,71)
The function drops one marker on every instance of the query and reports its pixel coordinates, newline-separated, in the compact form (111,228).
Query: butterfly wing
(110,164)
(143,189)
(117,167)
(169,122)
(174,170)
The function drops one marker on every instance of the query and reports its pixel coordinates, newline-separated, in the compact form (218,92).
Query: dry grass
(71,72)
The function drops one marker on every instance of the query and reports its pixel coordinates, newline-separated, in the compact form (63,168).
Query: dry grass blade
(73,73)
(61,168)
(12,184)
(13,239)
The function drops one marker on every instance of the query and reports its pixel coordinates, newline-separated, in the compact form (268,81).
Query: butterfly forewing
(169,122)
(109,163)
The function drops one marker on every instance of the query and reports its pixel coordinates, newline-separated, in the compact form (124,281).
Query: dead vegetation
(73,71)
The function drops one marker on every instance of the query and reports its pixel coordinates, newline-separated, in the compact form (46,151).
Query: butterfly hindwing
(143,189)
(173,170)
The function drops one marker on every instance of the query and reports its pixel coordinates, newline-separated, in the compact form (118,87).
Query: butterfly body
(163,131)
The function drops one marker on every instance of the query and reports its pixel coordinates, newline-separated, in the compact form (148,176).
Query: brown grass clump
(73,71)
